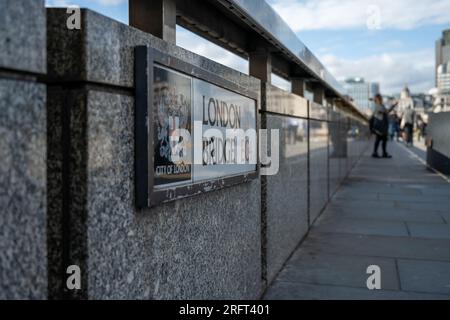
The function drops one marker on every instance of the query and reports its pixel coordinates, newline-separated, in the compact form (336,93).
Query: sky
(388,41)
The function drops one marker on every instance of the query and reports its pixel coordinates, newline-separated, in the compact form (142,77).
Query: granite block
(23,35)
(287,194)
(439,131)
(334,158)
(23,261)
(103,52)
(205,247)
(318,183)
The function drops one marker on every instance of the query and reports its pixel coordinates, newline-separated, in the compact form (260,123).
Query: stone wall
(439,131)
(319,175)
(23,255)
(286,193)
(67,173)
(206,247)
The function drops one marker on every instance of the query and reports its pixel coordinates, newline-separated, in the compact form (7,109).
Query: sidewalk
(391,213)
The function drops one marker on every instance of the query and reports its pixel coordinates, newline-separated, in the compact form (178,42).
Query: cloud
(392,71)
(207,49)
(67,3)
(110,2)
(351,14)
(198,45)
(57,3)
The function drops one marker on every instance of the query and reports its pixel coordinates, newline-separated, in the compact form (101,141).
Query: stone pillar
(298,86)
(157,17)
(23,183)
(319,94)
(261,65)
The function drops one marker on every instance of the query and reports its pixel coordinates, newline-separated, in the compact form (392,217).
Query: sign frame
(146,196)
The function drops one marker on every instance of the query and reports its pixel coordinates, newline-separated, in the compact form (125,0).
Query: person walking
(421,128)
(379,126)
(408,125)
(394,126)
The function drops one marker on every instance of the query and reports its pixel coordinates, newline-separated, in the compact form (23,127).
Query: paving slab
(441,199)
(356,194)
(378,246)
(304,291)
(446,216)
(392,213)
(425,276)
(429,231)
(331,269)
(336,212)
(393,205)
(362,226)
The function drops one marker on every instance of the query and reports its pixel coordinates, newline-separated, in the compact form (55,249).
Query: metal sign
(195,131)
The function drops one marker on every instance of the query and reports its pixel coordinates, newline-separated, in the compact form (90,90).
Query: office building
(442,51)
(362,93)
(442,95)
(443,78)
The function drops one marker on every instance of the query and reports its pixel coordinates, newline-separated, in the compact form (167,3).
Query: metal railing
(247,28)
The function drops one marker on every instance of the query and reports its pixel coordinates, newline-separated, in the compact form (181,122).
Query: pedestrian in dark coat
(379,126)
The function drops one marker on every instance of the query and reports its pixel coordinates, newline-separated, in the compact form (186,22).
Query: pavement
(390,213)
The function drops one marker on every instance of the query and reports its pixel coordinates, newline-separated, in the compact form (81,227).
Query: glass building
(442,51)
(362,93)
(443,78)
(442,98)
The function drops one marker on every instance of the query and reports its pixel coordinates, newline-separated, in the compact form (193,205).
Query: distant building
(441,103)
(443,78)
(362,93)
(442,51)
(442,95)
(423,103)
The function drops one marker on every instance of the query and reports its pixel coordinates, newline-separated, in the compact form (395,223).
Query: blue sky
(391,42)
(117,9)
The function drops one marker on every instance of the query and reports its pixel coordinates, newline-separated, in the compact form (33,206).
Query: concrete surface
(390,212)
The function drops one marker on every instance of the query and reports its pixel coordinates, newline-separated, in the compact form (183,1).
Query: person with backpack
(408,120)
(379,126)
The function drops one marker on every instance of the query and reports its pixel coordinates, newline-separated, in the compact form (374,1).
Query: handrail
(267,22)
(251,29)
(266,18)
